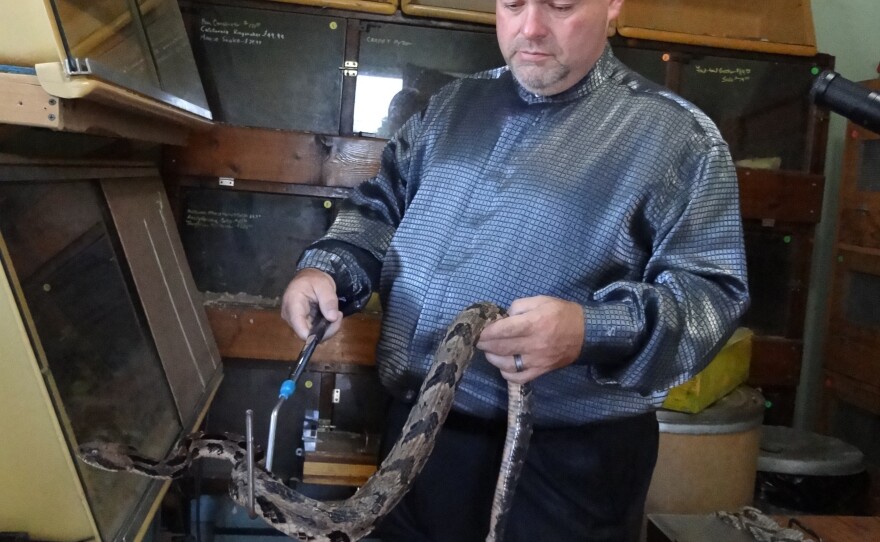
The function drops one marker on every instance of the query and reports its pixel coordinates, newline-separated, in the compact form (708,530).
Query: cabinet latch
(349,68)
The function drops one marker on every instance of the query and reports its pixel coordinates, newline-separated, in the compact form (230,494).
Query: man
(602,210)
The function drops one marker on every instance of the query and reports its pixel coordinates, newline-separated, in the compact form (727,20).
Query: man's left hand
(547,332)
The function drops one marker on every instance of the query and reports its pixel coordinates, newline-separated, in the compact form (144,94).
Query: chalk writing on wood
(220,219)
(726,75)
(241,32)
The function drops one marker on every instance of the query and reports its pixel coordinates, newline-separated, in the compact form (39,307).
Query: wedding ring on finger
(518,362)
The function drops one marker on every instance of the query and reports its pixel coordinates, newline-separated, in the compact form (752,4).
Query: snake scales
(303,518)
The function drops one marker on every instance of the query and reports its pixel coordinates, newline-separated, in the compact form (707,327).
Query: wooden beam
(245,331)
(22,168)
(782,196)
(278,156)
(24,102)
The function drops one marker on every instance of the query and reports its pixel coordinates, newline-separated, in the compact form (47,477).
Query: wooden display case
(778,26)
(385,7)
(763,110)
(476,11)
(853,339)
(105,338)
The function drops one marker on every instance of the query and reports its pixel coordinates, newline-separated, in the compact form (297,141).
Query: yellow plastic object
(725,372)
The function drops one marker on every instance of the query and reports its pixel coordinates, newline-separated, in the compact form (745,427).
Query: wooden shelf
(96,108)
(782,196)
(251,332)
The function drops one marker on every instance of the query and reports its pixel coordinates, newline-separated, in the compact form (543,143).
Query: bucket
(800,472)
(708,461)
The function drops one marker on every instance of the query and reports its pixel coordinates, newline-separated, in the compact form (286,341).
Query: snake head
(106,455)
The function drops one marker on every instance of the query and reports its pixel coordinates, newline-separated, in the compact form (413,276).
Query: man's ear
(614,7)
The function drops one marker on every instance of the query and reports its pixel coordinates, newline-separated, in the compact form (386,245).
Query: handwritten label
(726,75)
(219,219)
(388,41)
(241,32)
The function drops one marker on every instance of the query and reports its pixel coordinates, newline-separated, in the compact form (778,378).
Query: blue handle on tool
(287,389)
(319,327)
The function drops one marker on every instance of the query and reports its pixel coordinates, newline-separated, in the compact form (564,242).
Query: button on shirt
(615,194)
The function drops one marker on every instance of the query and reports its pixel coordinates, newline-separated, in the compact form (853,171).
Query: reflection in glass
(266,232)
(138,45)
(423,60)
(869,170)
(646,62)
(105,31)
(383,90)
(860,303)
(99,353)
(178,74)
(270,69)
(771,293)
(761,107)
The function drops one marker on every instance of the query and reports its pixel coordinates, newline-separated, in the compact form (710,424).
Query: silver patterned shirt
(615,194)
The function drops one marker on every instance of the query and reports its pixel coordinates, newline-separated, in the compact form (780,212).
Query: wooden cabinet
(852,362)
(759,100)
(780,26)
(105,338)
(477,11)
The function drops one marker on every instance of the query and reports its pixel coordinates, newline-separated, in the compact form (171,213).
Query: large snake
(303,518)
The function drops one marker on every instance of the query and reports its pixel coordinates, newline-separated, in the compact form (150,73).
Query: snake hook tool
(319,327)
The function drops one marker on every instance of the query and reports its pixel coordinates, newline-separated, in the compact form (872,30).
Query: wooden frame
(461,10)
(780,26)
(278,157)
(25,102)
(852,371)
(383,7)
(187,352)
(245,331)
(786,202)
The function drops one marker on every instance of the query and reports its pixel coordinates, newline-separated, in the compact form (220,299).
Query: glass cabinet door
(139,45)
(270,69)
(400,67)
(101,364)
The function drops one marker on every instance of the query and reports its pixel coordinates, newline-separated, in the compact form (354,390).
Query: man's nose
(534,23)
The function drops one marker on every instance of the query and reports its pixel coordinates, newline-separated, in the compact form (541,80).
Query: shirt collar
(600,73)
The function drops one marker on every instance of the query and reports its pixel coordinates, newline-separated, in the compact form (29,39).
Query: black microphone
(859,104)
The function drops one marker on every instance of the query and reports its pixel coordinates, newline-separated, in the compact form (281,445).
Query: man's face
(552,44)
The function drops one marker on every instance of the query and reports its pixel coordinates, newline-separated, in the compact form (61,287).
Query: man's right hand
(311,288)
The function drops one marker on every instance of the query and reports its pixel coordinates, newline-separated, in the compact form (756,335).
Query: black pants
(583,483)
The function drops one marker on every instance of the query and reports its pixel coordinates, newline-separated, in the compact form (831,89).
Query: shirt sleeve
(353,249)
(656,333)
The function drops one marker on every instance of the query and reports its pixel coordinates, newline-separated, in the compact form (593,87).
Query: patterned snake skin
(303,518)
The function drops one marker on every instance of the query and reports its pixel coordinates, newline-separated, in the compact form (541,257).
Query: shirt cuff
(611,333)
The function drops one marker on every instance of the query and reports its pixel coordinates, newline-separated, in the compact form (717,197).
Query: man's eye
(562,7)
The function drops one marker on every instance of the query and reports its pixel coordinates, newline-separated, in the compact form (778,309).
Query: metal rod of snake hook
(319,327)
(249,430)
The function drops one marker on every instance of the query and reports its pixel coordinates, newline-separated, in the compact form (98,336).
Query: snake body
(303,518)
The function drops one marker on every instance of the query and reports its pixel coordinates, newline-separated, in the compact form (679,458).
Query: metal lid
(791,451)
(738,411)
